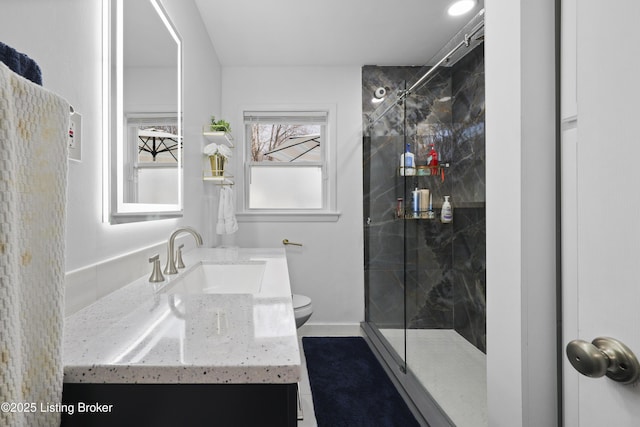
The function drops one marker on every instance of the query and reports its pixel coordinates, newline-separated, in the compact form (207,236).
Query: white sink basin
(214,278)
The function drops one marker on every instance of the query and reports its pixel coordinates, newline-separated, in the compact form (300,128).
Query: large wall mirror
(143,112)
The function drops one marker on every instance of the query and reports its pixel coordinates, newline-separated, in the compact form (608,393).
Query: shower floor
(450,368)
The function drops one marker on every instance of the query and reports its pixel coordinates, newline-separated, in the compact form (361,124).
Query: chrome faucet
(170,268)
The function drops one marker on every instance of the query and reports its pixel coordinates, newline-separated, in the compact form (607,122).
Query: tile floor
(452,369)
(305,390)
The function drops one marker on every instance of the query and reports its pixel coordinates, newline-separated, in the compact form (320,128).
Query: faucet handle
(156,273)
(179,261)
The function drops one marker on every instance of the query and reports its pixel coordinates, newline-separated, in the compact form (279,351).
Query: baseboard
(330,329)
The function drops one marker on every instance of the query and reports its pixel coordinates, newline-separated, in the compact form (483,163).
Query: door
(600,199)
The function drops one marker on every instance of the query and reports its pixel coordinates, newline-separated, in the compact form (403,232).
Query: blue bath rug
(349,387)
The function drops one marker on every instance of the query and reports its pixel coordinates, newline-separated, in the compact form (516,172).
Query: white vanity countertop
(136,335)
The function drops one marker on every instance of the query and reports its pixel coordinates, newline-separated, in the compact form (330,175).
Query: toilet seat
(300,301)
(302,309)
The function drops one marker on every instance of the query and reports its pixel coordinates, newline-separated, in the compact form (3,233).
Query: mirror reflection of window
(157,144)
(151,159)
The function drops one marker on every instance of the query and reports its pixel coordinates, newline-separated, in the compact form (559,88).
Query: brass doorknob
(604,356)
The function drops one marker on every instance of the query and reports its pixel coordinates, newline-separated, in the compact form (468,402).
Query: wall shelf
(218,137)
(219,180)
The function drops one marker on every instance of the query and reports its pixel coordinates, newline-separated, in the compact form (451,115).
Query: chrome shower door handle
(604,356)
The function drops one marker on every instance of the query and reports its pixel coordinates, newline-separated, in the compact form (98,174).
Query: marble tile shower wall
(444,263)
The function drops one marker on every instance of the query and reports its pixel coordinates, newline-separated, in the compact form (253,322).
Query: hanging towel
(34,126)
(227,223)
(20,64)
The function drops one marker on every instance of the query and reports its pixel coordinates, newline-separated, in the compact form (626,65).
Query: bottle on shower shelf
(415,203)
(432,160)
(407,162)
(430,213)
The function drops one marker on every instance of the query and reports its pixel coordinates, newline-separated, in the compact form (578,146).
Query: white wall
(148,89)
(329,267)
(64,37)
(520,138)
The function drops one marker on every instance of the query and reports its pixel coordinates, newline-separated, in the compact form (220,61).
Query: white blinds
(288,117)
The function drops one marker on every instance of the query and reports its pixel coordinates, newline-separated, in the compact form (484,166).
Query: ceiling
(147,42)
(329,32)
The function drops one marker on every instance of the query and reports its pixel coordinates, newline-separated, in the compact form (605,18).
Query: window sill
(288,216)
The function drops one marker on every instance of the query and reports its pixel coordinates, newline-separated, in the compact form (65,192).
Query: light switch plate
(75,137)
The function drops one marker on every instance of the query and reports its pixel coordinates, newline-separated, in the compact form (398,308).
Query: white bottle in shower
(446,214)
(407,163)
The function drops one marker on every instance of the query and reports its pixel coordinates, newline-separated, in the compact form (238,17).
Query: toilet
(302,309)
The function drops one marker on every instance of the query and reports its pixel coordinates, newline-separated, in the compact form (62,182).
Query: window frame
(329,211)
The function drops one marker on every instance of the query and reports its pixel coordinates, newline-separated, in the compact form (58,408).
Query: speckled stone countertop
(144,334)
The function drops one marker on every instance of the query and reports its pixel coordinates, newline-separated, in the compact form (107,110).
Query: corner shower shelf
(427,170)
(408,217)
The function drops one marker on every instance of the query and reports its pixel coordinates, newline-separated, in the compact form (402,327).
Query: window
(286,157)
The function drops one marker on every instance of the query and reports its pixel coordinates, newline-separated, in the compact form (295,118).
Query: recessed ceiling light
(461,7)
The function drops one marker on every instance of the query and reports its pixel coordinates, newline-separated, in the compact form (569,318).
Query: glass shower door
(384,231)
(458,346)
(445,283)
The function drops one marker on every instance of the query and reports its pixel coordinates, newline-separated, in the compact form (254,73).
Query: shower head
(379,95)
(380,92)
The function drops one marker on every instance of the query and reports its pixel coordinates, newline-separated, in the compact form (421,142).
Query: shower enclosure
(425,278)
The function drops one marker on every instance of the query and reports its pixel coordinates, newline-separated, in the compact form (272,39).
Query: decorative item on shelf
(217,164)
(218,155)
(219,125)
